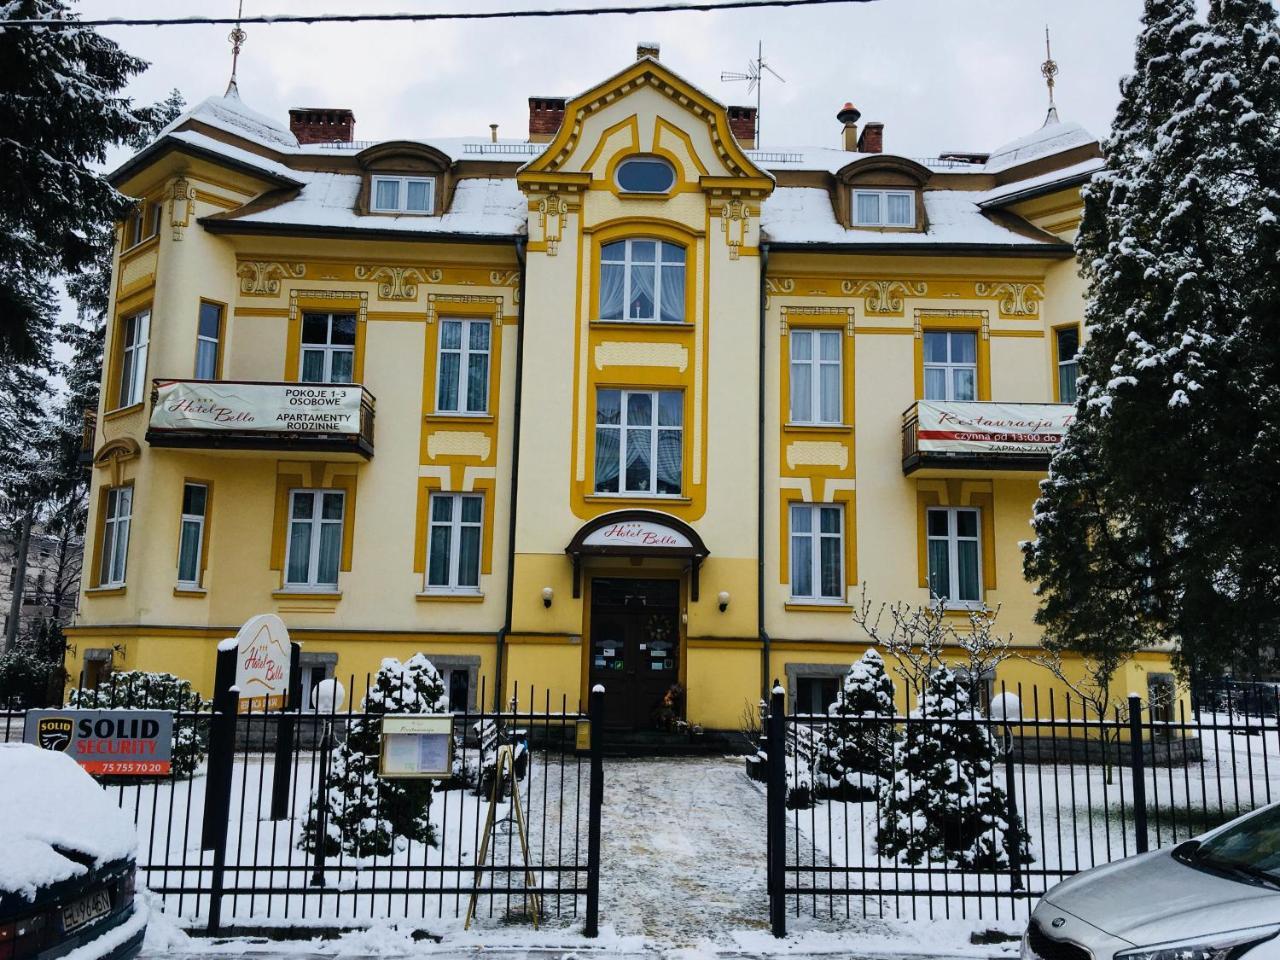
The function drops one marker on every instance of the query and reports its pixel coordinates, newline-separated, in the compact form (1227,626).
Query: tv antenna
(754,76)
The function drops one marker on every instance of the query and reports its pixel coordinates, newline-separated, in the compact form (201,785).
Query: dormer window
(884,208)
(412,195)
(645,175)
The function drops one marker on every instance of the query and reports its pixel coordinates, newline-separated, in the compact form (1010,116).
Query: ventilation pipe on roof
(848,116)
(493,133)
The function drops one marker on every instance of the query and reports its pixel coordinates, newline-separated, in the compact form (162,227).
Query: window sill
(817,427)
(119,412)
(458,417)
(963,609)
(428,596)
(190,591)
(683,325)
(818,606)
(885,228)
(105,591)
(302,593)
(636,498)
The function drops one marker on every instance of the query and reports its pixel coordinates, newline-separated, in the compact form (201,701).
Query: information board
(417,745)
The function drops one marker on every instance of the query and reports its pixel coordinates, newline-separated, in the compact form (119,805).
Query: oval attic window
(646,175)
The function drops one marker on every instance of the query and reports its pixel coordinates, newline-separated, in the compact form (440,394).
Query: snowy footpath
(682,876)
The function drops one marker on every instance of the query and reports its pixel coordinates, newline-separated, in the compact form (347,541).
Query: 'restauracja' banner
(957,427)
(275,407)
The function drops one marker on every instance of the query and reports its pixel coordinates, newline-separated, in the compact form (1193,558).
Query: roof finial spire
(1049,70)
(237,38)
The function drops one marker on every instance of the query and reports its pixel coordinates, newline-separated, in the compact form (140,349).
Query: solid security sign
(113,742)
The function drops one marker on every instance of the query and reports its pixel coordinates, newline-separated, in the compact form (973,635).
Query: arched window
(645,175)
(642,280)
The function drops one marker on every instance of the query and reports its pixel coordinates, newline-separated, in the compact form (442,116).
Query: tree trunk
(19,580)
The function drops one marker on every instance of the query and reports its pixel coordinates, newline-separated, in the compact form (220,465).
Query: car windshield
(1251,846)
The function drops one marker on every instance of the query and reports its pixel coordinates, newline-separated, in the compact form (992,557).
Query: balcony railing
(955,435)
(256,415)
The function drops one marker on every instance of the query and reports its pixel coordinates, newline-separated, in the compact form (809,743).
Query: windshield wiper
(1247,871)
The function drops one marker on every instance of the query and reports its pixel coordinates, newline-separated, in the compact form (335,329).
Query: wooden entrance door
(635,647)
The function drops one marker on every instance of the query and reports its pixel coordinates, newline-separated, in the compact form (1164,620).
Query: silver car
(1215,898)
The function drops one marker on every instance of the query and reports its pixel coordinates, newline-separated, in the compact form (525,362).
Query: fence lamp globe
(723,600)
(547,595)
(328,696)
(1006,709)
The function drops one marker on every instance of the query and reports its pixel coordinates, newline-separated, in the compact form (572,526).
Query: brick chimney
(545,115)
(872,139)
(848,117)
(742,121)
(647,48)
(322,124)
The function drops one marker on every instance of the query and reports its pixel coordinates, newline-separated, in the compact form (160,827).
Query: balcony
(253,415)
(1017,438)
(88,437)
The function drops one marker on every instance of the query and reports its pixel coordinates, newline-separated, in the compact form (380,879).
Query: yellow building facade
(627,402)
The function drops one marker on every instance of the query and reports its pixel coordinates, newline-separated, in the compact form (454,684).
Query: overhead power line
(268,18)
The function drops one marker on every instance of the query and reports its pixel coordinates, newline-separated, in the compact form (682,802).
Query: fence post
(776,811)
(282,768)
(1013,836)
(1137,764)
(217,800)
(595,807)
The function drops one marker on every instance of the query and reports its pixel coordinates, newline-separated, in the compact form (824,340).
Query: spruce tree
(855,747)
(366,815)
(941,804)
(60,108)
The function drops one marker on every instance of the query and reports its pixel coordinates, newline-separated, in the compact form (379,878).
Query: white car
(1215,898)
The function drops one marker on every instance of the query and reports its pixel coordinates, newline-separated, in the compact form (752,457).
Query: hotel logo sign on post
(262,664)
(637,533)
(115,743)
(302,408)
(983,427)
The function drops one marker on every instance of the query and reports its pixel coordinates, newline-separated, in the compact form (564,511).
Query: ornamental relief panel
(887,297)
(398,283)
(458,443)
(817,453)
(884,297)
(613,353)
(261,278)
(1016,299)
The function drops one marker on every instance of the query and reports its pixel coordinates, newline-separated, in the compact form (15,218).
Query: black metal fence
(972,817)
(246,841)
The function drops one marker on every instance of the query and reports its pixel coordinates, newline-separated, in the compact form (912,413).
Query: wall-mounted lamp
(723,599)
(547,595)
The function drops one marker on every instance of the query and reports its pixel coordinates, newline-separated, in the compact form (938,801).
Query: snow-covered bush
(941,804)
(855,749)
(364,814)
(142,690)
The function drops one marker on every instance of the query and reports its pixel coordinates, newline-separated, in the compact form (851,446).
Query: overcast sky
(941,74)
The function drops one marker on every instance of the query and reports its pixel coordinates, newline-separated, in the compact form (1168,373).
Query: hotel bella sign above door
(637,533)
(262,664)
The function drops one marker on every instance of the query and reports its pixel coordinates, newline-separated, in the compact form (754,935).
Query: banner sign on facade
(981,427)
(262,664)
(301,408)
(135,743)
(637,533)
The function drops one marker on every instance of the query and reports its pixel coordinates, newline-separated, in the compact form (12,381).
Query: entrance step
(661,743)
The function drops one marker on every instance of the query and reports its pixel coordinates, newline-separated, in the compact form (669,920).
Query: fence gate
(249,838)
(1057,788)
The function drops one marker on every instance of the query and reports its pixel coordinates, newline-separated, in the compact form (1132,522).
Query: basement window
(884,208)
(412,195)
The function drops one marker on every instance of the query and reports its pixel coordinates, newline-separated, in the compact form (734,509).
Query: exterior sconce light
(723,599)
(547,595)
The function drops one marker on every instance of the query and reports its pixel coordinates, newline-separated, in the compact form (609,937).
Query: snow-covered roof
(241,156)
(1075,173)
(229,113)
(50,804)
(1048,140)
(480,207)
(805,215)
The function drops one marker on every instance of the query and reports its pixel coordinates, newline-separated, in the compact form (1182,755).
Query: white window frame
(202,339)
(317,523)
(882,205)
(465,353)
(1064,363)
(815,537)
(950,366)
(952,539)
(115,527)
(328,348)
(133,358)
(455,525)
(627,263)
(402,195)
(816,364)
(653,428)
(199,520)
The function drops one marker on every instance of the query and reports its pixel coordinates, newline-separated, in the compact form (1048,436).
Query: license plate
(86,911)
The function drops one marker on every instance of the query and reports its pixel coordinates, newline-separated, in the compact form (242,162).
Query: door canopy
(637,533)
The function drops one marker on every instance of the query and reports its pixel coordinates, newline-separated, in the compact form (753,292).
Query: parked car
(67,871)
(1213,898)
